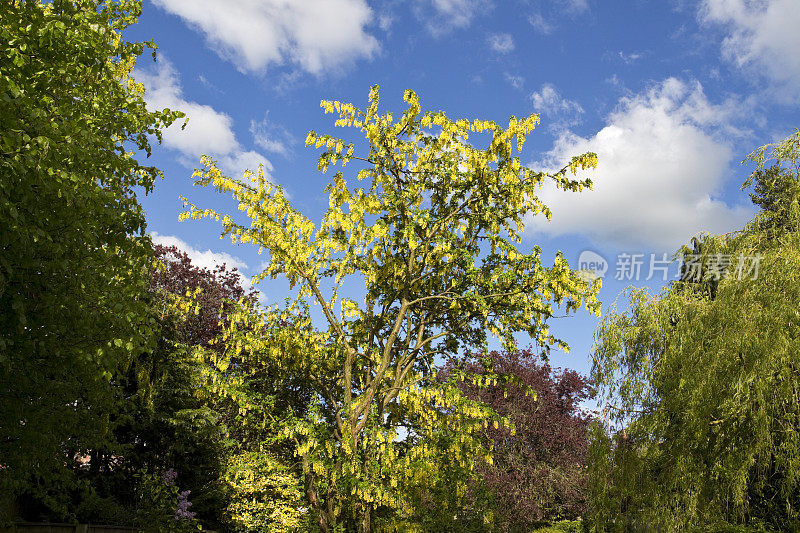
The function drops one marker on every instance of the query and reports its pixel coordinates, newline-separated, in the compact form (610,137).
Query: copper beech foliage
(435,236)
(213,292)
(539,470)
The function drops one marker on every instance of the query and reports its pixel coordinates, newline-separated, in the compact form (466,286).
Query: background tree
(74,256)
(706,385)
(538,472)
(433,238)
(158,420)
(163,421)
(776,189)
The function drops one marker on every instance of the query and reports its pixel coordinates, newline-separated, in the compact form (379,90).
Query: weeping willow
(701,382)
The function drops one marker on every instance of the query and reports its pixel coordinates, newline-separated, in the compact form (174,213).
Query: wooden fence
(32,527)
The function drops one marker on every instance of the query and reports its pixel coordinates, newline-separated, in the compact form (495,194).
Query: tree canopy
(138,389)
(538,471)
(75,257)
(435,237)
(704,378)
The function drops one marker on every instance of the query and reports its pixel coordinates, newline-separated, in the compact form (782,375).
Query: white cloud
(574,6)
(441,16)
(658,171)
(235,163)
(502,43)
(209,259)
(385,22)
(208,85)
(629,59)
(555,10)
(540,24)
(763,38)
(614,81)
(549,101)
(271,137)
(315,35)
(201,259)
(516,81)
(209,132)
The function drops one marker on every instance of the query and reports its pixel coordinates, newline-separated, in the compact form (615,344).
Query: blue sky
(671,95)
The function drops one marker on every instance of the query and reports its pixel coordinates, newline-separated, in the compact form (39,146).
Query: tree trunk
(316,504)
(323,523)
(366,522)
(322,515)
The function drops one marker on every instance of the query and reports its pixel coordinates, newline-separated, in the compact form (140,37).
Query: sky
(671,95)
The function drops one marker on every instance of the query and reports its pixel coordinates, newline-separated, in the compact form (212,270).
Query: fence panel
(31,527)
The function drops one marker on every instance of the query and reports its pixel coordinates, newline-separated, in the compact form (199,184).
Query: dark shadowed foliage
(539,468)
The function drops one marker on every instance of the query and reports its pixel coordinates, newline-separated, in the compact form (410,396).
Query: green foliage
(159,505)
(563,526)
(434,237)
(159,420)
(74,259)
(776,189)
(538,470)
(265,495)
(705,383)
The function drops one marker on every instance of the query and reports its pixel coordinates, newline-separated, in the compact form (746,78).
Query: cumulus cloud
(235,163)
(210,260)
(314,35)
(762,37)
(201,259)
(659,167)
(548,101)
(501,43)
(208,132)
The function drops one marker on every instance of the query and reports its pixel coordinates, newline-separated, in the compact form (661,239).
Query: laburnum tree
(539,471)
(73,253)
(702,385)
(435,237)
(201,434)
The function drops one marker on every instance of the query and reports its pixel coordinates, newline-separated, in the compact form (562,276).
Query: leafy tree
(74,260)
(265,495)
(538,472)
(434,238)
(705,386)
(776,189)
(264,487)
(162,422)
(214,294)
(158,422)
(240,486)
